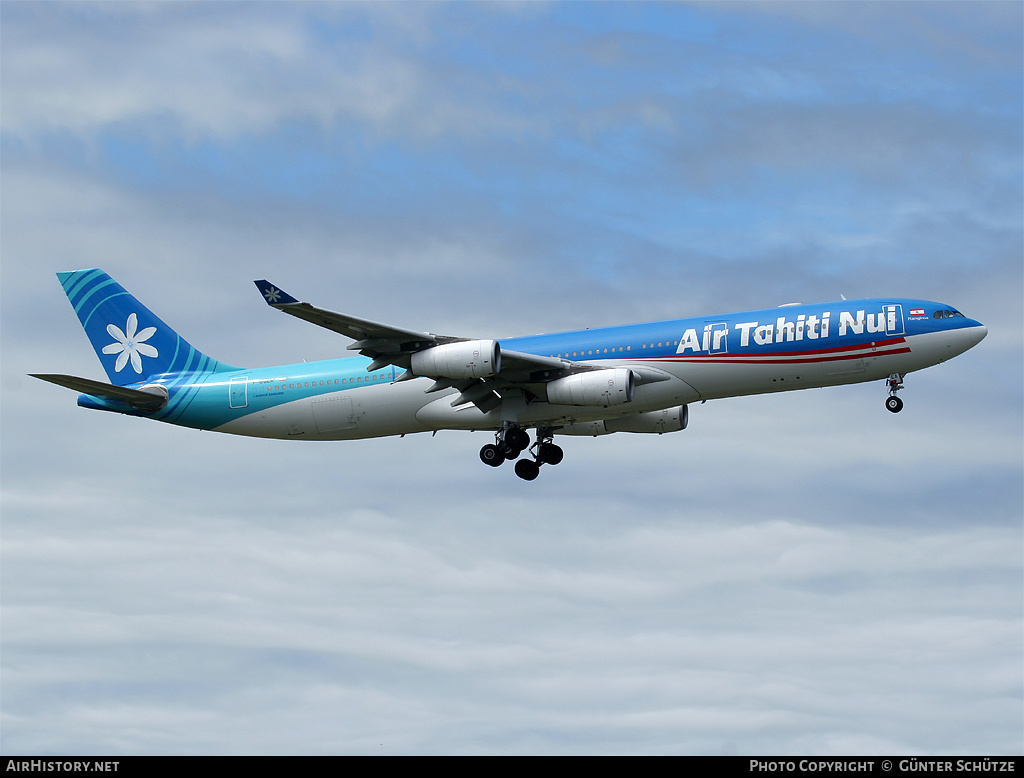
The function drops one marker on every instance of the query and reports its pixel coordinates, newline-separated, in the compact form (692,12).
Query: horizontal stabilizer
(152,398)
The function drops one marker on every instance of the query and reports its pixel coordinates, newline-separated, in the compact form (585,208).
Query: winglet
(274,295)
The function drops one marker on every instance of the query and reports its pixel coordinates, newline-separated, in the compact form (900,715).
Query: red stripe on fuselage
(876,348)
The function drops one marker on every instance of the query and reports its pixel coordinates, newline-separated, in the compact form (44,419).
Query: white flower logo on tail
(130,344)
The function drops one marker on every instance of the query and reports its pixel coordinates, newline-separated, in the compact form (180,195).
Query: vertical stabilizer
(131,341)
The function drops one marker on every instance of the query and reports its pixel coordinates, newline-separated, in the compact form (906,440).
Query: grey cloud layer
(799,573)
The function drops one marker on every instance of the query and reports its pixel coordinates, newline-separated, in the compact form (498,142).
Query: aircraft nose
(969,337)
(960,340)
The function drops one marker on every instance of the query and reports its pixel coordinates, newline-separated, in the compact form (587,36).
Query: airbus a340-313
(638,378)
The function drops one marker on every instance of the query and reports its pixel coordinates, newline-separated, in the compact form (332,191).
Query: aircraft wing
(372,338)
(388,345)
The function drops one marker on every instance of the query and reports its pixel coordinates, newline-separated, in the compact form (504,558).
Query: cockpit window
(947,315)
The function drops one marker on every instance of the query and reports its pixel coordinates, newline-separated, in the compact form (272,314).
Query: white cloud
(801,572)
(176,71)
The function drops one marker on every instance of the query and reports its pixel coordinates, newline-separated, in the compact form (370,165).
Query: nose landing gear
(895,383)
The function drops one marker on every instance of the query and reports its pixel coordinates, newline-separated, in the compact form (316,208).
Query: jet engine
(667,420)
(465,359)
(597,387)
(657,422)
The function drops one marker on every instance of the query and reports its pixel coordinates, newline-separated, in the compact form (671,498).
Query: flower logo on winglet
(130,344)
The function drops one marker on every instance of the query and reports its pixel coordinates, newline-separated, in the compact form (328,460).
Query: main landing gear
(511,441)
(895,383)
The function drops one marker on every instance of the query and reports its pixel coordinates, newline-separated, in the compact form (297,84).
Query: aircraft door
(715,338)
(893,319)
(238,397)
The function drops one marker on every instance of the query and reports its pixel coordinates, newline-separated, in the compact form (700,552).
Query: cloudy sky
(794,573)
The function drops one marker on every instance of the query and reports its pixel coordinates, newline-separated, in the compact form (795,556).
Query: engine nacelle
(598,387)
(465,359)
(657,422)
(660,422)
(585,428)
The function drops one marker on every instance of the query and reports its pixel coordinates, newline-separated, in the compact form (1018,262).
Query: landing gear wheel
(895,383)
(517,438)
(492,455)
(549,454)
(527,469)
(509,451)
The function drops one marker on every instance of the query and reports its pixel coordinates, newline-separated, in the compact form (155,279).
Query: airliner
(638,378)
